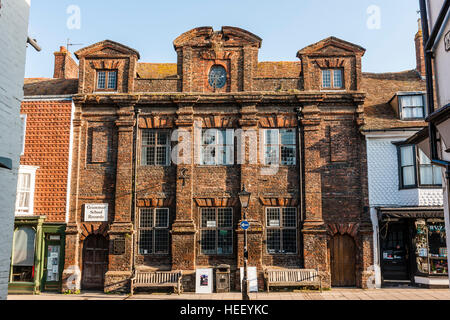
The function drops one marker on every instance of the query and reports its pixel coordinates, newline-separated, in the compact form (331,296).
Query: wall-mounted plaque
(119,246)
(96,212)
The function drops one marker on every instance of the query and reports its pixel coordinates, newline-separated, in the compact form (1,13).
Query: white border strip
(48,98)
(69,170)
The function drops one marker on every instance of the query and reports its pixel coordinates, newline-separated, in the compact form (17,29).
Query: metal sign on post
(245,225)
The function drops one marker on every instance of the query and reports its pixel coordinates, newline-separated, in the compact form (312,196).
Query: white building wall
(13,38)
(442,81)
(383,175)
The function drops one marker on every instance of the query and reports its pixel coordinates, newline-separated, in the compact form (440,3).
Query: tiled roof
(156,70)
(380,88)
(49,87)
(267,69)
(279,69)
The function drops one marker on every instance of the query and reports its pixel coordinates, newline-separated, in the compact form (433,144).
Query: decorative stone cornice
(278,121)
(279,201)
(156,202)
(156,122)
(216,202)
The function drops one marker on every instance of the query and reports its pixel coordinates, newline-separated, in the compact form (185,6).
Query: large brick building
(132,208)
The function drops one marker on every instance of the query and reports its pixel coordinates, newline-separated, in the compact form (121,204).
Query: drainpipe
(134,188)
(300,166)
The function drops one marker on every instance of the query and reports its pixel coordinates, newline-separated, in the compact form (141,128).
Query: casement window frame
(218,146)
(153,228)
(281,228)
(279,147)
(107,79)
(31,170)
(416,162)
(332,78)
(217,229)
(23,118)
(155,146)
(400,106)
(433,168)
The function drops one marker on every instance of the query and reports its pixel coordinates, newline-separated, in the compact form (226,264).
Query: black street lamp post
(244,198)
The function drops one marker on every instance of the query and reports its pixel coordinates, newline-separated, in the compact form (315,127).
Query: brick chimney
(65,66)
(420,55)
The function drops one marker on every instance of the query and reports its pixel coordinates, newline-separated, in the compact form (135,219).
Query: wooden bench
(292,278)
(157,279)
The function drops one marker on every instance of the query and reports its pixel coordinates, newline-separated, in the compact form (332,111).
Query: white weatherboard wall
(13,38)
(442,81)
(383,175)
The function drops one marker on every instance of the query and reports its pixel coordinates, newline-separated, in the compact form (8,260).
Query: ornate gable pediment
(332,46)
(106,48)
(227,37)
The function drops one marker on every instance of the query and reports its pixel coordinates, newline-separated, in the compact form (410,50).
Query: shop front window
(23,255)
(431,248)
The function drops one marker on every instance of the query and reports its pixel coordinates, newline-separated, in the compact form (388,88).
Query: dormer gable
(230,56)
(107,66)
(331,64)
(108,48)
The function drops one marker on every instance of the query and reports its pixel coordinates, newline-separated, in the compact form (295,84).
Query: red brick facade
(327,185)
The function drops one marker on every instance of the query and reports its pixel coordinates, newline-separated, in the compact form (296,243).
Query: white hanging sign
(96,212)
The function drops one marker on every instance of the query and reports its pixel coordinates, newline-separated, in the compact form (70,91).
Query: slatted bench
(292,278)
(157,279)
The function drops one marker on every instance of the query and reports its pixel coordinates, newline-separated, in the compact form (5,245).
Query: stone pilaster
(314,231)
(121,229)
(183,228)
(249,177)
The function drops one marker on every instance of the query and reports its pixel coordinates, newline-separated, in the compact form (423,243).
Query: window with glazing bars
(429,174)
(24,193)
(412,107)
(216,231)
(332,78)
(416,169)
(217,147)
(153,231)
(155,148)
(281,230)
(106,80)
(280,147)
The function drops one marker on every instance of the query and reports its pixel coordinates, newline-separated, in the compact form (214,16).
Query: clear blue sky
(285,26)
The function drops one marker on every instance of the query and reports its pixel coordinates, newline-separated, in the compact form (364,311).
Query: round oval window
(217,77)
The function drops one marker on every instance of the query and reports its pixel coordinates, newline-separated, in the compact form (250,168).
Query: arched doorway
(95,262)
(343,261)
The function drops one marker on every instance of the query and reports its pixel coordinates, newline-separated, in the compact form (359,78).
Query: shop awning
(411,212)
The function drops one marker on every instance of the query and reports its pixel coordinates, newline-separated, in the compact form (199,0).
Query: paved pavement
(334,294)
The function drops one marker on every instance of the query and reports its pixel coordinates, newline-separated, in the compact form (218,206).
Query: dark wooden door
(95,262)
(343,261)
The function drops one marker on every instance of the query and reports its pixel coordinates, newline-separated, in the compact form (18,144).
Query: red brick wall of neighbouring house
(47,147)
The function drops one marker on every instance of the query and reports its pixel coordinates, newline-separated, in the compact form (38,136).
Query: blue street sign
(245,225)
